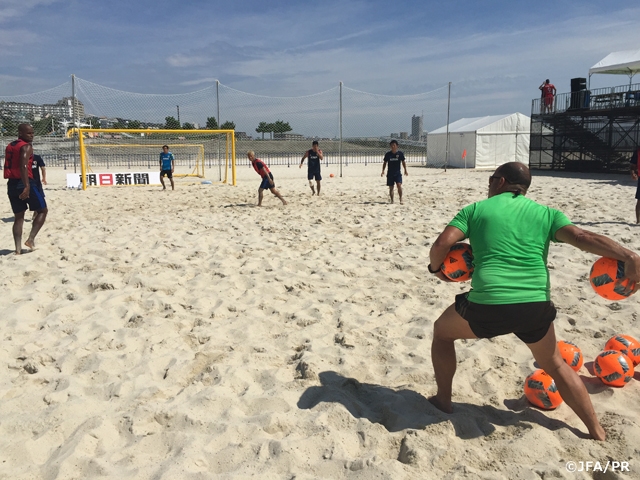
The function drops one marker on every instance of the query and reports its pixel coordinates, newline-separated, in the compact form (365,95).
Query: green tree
(134,124)
(188,126)
(170,123)
(281,127)
(228,126)
(212,123)
(42,127)
(9,127)
(120,125)
(262,128)
(270,127)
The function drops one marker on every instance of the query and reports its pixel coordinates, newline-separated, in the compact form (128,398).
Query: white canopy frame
(626,62)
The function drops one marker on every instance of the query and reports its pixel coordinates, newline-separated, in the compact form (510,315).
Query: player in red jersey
(548,94)
(267,177)
(21,189)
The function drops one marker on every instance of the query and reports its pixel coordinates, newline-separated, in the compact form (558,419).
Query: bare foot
(598,434)
(30,243)
(446,408)
(284,202)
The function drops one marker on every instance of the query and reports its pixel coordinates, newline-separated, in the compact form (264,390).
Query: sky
(494,53)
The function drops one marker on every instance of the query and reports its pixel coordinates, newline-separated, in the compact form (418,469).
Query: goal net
(138,150)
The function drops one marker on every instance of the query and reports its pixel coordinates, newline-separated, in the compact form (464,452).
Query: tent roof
(620,63)
(473,124)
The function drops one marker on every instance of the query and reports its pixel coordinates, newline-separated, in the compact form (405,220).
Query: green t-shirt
(510,237)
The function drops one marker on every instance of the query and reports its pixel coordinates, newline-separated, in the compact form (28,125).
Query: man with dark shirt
(394,176)
(38,165)
(315,156)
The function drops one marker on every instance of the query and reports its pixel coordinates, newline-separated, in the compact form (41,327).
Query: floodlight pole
(75,120)
(218,120)
(446,159)
(178,107)
(340,144)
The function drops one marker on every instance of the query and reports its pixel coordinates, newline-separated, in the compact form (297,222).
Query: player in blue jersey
(315,156)
(394,158)
(167,165)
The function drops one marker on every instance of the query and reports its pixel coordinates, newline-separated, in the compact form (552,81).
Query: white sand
(187,334)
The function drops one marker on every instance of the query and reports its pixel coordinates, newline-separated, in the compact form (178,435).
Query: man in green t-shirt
(510,288)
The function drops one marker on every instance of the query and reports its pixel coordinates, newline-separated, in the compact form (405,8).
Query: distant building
(417,127)
(287,136)
(404,135)
(61,109)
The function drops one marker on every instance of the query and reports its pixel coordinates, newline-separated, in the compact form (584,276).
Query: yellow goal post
(130,148)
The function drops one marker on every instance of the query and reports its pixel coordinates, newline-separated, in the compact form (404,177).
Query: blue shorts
(265,182)
(393,179)
(315,173)
(35,202)
(530,322)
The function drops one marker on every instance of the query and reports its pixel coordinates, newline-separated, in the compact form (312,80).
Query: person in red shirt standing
(22,191)
(548,94)
(267,177)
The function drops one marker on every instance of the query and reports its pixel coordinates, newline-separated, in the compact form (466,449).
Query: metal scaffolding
(598,133)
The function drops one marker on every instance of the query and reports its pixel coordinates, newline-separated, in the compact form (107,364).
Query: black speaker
(579,99)
(578,84)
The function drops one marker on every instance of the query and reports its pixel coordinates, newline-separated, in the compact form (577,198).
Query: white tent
(619,63)
(482,142)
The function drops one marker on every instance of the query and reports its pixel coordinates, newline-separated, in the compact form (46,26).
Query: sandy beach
(188,334)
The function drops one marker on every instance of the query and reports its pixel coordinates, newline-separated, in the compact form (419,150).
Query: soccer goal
(138,150)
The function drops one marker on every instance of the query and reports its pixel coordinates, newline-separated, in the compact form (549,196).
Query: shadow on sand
(402,409)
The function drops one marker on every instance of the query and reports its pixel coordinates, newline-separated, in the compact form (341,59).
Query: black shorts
(265,185)
(35,202)
(528,321)
(167,173)
(638,189)
(393,179)
(314,173)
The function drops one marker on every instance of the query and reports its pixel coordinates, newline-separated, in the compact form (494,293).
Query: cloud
(12,9)
(179,60)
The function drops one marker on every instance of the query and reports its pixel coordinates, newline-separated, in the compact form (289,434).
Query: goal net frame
(198,171)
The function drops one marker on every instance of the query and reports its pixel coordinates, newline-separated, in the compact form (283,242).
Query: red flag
(464,154)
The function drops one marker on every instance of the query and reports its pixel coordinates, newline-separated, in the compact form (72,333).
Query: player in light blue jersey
(167,165)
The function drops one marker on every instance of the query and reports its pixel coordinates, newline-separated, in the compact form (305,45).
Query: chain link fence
(351,126)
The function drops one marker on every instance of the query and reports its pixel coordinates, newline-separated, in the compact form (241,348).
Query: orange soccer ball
(331,175)
(571,354)
(458,265)
(627,345)
(613,368)
(608,280)
(541,390)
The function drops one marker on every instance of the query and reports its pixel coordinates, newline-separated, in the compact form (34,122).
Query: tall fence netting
(351,126)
